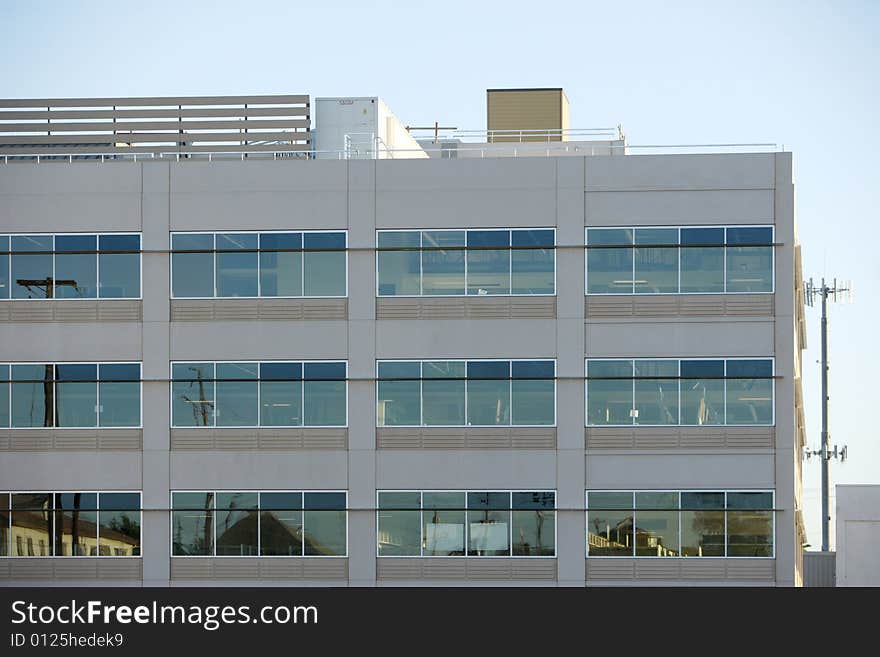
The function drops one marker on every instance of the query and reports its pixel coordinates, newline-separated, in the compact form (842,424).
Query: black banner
(423,620)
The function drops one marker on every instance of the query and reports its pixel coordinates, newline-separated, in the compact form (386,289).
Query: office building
(239,351)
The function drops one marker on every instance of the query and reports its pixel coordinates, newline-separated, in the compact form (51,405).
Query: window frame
(97,254)
(465,492)
(54,511)
(465,361)
(773,510)
(633,247)
(723,359)
(258,380)
(510,248)
(259,491)
(97,364)
(257,233)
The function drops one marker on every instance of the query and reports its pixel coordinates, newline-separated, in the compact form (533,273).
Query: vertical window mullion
(302,396)
(302,505)
(421,264)
(214,256)
(724,422)
(510,390)
(259,285)
(632,404)
(726,538)
(421,394)
(678,259)
(510,266)
(466,252)
(724,261)
(302,275)
(54,278)
(510,516)
(97,266)
(259,407)
(98,394)
(259,505)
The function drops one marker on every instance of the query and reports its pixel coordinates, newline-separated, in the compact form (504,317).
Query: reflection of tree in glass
(125,525)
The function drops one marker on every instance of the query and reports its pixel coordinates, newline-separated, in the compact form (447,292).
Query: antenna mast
(811,291)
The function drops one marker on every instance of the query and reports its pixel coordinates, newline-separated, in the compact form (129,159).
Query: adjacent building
(244,345)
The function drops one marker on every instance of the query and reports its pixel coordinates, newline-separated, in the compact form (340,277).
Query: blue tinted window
(280,371)
(749,236)
(324,240)
(749,368)
(76,266)
(702,236)
(4,267)
(281,501)
(324,371)
(533,369)
(236,265)
(404,370)
(488,369)
(192,273)
(324,501)
(32,275)
(119,372)
(120,273)
(488,238)
(533,238)
(496,501)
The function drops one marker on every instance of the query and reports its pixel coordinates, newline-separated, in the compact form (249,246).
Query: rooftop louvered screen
(159,125)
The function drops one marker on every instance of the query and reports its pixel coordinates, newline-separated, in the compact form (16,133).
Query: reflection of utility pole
(48,397)
(824,291)
(48,283)
(199,406)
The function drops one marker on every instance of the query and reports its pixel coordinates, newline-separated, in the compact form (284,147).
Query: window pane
(656,398)
(281,394)
(236,395)
(76,274)
(33,400)
(281,271)
(398,403)
(32,276)
(488,270)
(119,520)
(399,524)
(443,269)
(120,273)
(749,268)
(398,271)
(702,399)
(443,392)
(609,270)
(324,403)
(76,524)
(236,265)
(77,402)
(119,395)
(488,524)
(534,524)
(31,532)
(610,524)
(702,260)
(281,531)
(192,403)
(192,526)
(236,524)
(609,398)
(702,532)
(4,396)
(749,401)
(192,273)
(325,528)
(533,269)
(750,528)
(656,525)
(324,271)
(488,400)
(656,268)
(443,523)
(534,402)
(4,267)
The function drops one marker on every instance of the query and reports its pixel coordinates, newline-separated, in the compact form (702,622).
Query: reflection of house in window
(240,538)
(30,527)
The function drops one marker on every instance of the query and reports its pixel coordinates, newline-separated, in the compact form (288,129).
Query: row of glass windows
(70,395)
(680,524)
(408,393)
(680,392)
(105,266)
(679,260)
(409,523)
(249,523)
(74,524)
(269,394)
(661,260)
(466,523)
(466,393)
(300,264)
(466,262)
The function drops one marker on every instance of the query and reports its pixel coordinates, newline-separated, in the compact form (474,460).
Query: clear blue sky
(802,74)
